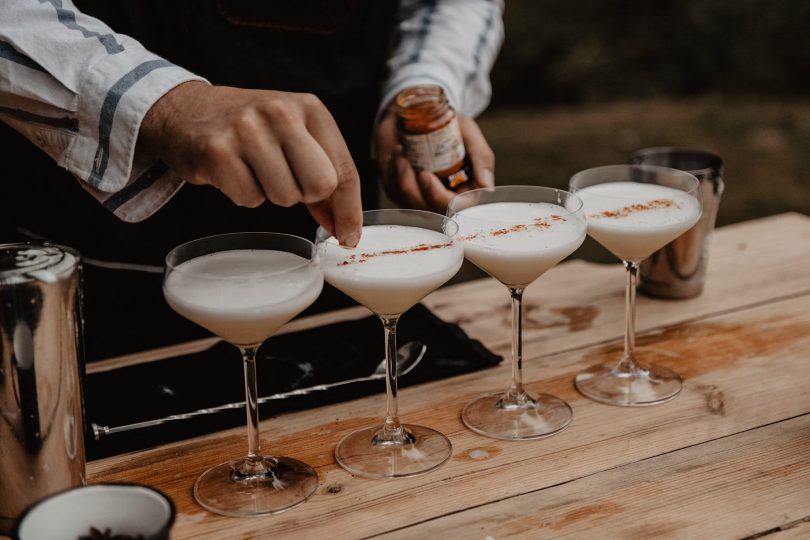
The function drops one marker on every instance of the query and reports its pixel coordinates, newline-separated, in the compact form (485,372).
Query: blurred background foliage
(580,51)
(582,83)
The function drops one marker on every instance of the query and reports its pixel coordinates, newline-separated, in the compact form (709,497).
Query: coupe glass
(634,210)
(244,287)
(515,234)
(402,256)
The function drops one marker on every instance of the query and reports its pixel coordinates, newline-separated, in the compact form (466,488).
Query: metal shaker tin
(678,270)
(41,416)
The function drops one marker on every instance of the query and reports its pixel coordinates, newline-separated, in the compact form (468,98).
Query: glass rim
(695,187)
(84,489)
(313,258)
(321,235)
(567,212)
(684,151)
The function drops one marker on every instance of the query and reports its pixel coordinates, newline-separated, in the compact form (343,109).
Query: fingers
(219,165)
(292,170)
(273,174)
(481,155)
(422,191)
(234,178)
(435,195)
(260,144)
(401,183)
(344,202)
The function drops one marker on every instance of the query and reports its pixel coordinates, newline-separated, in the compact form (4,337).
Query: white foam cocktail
(244,295)
(393,266)
(244,287)
(516,242)
(401,257)
(633,220)
(515,234)
(634,210)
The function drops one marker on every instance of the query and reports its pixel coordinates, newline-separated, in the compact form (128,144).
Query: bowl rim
(162,532)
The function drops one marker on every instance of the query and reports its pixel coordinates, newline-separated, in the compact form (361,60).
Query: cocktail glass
(243,287)
(402,256)
(634,210)
(515,234)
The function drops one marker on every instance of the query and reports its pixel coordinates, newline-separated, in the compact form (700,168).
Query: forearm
(79,91)
(452,43)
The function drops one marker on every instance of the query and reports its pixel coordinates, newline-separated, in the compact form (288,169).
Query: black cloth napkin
(213,377)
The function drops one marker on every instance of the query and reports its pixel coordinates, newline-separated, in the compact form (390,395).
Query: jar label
(435,151)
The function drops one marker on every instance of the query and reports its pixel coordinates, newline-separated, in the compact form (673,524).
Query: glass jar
(430,136)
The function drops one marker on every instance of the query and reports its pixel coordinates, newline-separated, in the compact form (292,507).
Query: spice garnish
(364,257)
(538,223)
(635,208)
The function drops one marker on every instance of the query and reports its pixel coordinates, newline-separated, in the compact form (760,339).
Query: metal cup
(41,425)
(678,270)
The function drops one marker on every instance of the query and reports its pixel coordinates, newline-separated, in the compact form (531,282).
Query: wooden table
(728,458)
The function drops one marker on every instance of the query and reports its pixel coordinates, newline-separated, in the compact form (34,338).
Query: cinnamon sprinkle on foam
(358,258)
(636,208)
(539,223)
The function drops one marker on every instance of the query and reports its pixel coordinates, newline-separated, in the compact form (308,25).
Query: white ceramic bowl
(123,508)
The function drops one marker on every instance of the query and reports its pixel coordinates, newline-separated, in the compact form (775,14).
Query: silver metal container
(678,270)
(41,425)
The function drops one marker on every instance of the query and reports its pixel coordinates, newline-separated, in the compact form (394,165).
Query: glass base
(281,484)
(420,450)
(500,416)
(637,387)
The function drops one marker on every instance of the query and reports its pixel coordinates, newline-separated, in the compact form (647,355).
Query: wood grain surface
(728,458)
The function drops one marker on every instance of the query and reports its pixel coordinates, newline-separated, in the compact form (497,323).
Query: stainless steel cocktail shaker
(678,270)
(41,424)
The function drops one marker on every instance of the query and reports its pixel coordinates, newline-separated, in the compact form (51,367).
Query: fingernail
(487,178)
(350,240)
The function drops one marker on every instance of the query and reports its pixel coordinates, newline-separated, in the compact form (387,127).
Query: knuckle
(246,121)
(346,172)
(310,101)
(279,110)
(284,199)
(216,147)
(253,199)
(324,187)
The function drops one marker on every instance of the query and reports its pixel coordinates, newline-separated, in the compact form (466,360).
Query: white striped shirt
(79,91)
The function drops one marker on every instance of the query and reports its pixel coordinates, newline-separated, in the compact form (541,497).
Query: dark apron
(335,49)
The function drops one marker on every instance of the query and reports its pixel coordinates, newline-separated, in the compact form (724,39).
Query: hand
(255,145)
(425,191)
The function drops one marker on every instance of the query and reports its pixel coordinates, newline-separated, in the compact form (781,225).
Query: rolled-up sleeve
(79,91)
(452,43)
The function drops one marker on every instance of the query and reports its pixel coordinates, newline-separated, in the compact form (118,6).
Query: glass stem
(254,464)
(516,392)
(392,431)
(628,362)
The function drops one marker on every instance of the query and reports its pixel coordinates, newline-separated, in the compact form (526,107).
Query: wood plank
(713,490)
(796,530)
(735,365)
